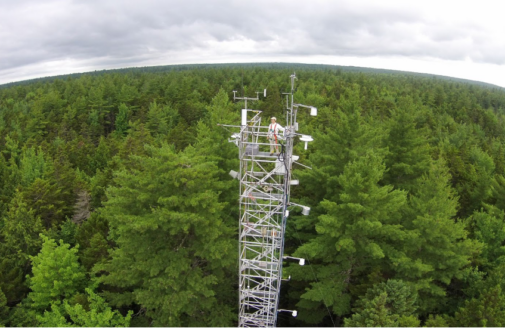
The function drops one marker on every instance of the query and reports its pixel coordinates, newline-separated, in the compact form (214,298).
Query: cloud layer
(55,36)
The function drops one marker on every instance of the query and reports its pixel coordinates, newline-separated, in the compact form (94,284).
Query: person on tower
(273,135)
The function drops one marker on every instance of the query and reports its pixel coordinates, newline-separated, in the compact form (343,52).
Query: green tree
(343,136)
(221,110)
(436,321)
(128,94)
(390,303)
(482,171)
(32,166)
(486,311)
(92,240)
(4,186)
(11,150)
(472,171)
(21,228)
(37,121)
(181,135)
(9,181)
(161,119)
(497,191)
(22,315)
(99,314)
(102,154)
(408,157)
(19,239)
(358,231)
(44,196)
(57,274)
(52,197)
(4,309)
(172,246)
(122,120)
(375,314)
(95,124)
(488,227)
(401,297)
(438,249)
(133,144)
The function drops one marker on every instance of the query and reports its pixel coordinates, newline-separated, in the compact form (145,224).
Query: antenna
(245,110)
(264,199)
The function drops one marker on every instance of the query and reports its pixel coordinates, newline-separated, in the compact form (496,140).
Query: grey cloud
(34,32)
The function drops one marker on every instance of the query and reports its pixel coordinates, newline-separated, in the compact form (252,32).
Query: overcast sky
(51,37)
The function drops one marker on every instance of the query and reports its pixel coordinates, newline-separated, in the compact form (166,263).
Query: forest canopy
(116,207)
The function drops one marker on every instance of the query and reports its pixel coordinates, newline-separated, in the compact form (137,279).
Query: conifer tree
(22,315)
(44,196)
(122,120)
(4,186)
(472,171)
(11,150)
(32,165)
(57,274)
(436,321)
(359,230)
(375,314)
(342,137)
(21,229)
(488,227)
(221,110)
(92,240)
(161,119)
(128,94)
(172,245)
(133,144)
(486,311)
(408,157)
(99,314)
(52,196)
(37,122)
(497,191)
(4,309)
(481,173)
(102,154)
(19,239)
(396,309)
(10,176)
(438,248)
(181,135)
(401,298)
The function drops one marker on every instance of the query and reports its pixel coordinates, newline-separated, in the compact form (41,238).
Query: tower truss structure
(265,183)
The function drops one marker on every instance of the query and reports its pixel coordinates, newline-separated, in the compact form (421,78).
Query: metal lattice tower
(265,182)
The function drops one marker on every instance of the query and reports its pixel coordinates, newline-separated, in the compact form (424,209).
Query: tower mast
(264,198)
